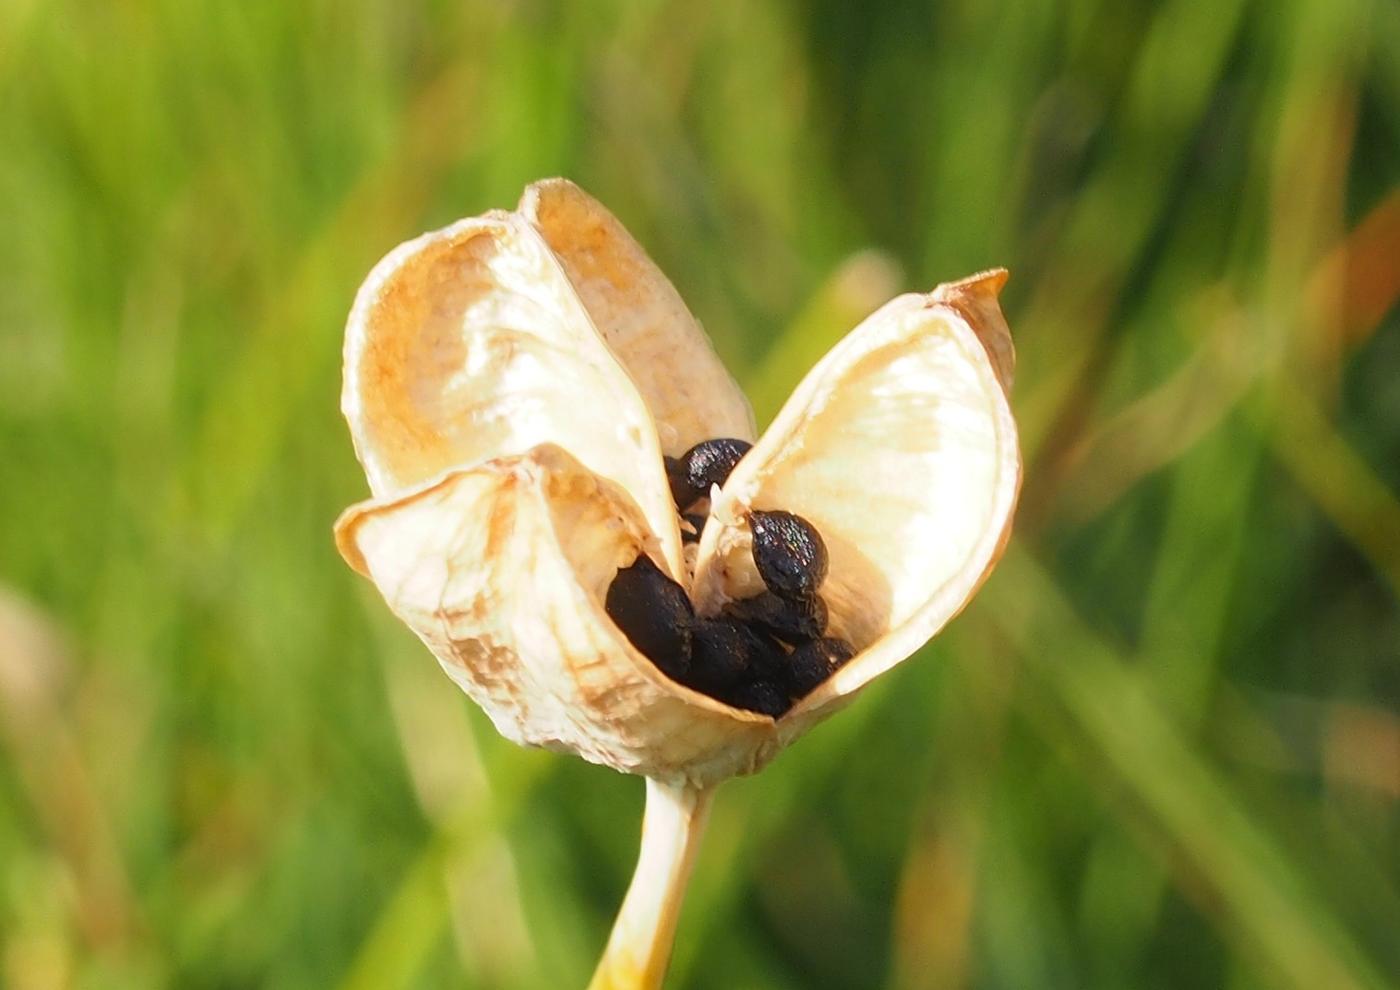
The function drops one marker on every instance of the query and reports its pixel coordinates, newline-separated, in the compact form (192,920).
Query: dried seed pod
(789,553)
(792,620)
(512,383)
(654,613)
(811,663)
(707,463)
(762,695)
(726,651)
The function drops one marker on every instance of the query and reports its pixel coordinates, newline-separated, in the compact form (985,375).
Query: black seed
(811,663)
(681,490)
(770,659)
(697,523)
(788,552)
(792,620)
(654,613)
(725,651)
(762,696)
(707,463)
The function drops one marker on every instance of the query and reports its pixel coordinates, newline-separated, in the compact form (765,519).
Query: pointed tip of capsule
(988,282)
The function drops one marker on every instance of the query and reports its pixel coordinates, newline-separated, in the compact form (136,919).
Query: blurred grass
(1161,750)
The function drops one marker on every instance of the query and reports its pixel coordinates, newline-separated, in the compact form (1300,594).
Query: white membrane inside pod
(900,449)
(470,343)
(642,317)
(501,571)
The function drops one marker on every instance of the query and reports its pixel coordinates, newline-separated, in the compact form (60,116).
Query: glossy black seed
(792,620)
(725,651)
(789,553)
(697,522)
(707,463)
(762,696)
(811,663)
(654,613)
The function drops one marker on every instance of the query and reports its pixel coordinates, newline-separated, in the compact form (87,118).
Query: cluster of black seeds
(761,653)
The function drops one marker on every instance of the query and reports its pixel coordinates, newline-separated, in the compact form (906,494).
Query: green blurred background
(1161,750)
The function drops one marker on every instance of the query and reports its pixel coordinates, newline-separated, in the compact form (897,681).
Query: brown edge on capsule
(975,299)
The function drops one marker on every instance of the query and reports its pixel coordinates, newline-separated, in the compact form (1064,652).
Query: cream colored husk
(511,383)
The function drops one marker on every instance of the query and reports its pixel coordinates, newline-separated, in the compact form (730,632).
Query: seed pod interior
(456,351)
(899,448)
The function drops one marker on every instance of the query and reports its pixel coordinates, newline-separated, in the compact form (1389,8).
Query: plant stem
(639,948)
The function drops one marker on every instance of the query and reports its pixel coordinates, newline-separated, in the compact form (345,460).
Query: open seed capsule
(707,463)
(788,552)
(811,663)
(511,382)
(654,613)
(792,620)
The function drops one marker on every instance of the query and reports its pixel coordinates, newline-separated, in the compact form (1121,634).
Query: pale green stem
(639,948)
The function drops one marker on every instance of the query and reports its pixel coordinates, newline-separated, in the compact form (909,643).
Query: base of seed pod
(812,663)
(655,615)
(792,620)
